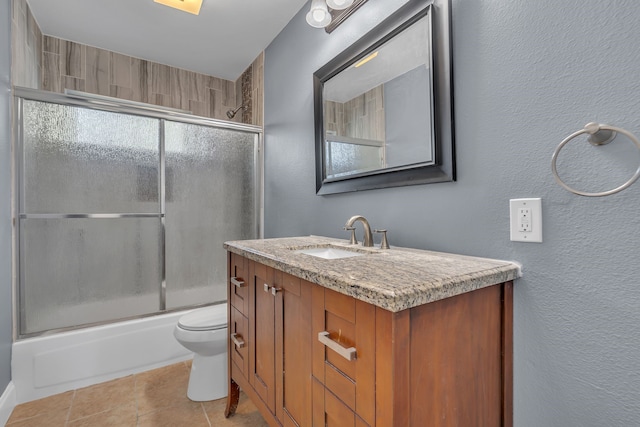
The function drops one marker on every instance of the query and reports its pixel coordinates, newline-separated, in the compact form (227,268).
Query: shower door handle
(237,342)
(237,282)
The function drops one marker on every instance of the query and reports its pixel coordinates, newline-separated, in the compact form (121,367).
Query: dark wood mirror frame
(443,169)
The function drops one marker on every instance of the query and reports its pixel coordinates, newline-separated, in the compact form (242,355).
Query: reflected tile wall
(360,117)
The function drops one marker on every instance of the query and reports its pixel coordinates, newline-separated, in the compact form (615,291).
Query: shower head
(232,113)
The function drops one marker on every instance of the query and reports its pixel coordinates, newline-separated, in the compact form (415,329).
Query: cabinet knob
(347,353)
(266,287)
(237,282)
(239,343)
(275,290)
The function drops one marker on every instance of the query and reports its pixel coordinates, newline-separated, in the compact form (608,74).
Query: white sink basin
(329,253)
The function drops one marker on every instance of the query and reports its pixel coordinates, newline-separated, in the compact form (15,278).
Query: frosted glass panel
(210,198)
(343,159)
(78,271)
(78,160)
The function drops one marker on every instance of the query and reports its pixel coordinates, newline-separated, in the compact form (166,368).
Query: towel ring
(599,134)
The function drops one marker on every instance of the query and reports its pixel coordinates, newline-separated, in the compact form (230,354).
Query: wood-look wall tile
(73,83)
(73,56)
(217,109)
(39,48)
(32,29)
(160,99)
(51,44)
(121,92)
(257,95)
(140,79)
(97,71)
(120,70)
(179,88)
(199,108)
(51,72)
(191,78)
(17,56)
(230,93)
(200,88)
(217,83)
(160,79)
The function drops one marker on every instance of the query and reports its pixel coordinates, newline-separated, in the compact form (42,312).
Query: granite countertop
(394,279)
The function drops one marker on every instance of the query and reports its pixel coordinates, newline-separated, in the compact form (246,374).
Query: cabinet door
(293,350)
(239,283)
(329,411)
(262,333)
(238,330)
(344,349)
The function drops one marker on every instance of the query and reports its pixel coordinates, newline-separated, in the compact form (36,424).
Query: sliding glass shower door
(124,215)
(210,198)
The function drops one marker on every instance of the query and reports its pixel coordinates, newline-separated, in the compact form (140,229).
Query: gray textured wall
(5,195)
(526,75)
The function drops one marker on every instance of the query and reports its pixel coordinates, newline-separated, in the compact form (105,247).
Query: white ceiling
(222,41)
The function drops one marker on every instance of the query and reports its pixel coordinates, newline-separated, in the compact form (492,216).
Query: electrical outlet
(526,220)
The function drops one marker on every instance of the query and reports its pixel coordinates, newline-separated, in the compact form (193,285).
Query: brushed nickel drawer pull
(266,287)
(347,353)
(238,342)
(275,290)
(237,282)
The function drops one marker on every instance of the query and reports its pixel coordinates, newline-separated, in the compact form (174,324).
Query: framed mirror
(383,107)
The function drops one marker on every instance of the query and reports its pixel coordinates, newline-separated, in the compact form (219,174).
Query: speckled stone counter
(394,279)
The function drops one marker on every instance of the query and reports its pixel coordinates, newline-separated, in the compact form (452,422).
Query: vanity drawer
(239,283)
(238,345)
(330,411)
(344,349)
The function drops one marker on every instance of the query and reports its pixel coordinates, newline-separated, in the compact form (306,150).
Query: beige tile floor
(155,398)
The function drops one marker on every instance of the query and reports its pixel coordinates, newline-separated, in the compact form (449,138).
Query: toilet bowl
(204,331)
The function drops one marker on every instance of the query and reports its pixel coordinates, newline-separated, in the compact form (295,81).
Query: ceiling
(222,41)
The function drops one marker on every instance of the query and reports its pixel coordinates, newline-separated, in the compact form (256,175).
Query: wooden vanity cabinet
(344,355)
(238,309)
(323,359)
(279,342)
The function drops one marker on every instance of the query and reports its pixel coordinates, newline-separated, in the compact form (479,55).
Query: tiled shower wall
(54,64)
(26,46)
(361,117)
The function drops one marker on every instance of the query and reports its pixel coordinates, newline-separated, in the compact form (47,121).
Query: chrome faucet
(368,237)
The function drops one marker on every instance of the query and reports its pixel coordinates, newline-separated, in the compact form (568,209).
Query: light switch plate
(526,220)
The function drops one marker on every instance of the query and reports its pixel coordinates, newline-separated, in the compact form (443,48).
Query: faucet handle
(353,240)
(384,244)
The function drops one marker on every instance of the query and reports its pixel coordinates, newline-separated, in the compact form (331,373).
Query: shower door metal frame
(128,107)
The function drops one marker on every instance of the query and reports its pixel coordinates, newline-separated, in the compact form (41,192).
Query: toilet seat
(204,319)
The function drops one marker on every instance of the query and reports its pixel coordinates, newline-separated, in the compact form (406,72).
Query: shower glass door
(211,197)
(90,229)
(124,215)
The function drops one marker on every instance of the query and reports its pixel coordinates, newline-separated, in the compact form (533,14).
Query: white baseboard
(7,403)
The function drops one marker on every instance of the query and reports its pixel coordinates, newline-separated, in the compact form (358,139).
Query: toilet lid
(205,319)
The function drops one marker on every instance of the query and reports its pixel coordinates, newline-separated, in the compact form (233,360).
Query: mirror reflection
(378,111)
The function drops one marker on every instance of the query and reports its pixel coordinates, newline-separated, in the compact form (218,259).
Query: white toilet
(204,331)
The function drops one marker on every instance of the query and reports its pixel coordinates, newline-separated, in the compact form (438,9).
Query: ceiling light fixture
(366,59)
(339,4)
(318,16)
(191,6)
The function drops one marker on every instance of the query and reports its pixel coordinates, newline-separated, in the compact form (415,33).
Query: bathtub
(52,364)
